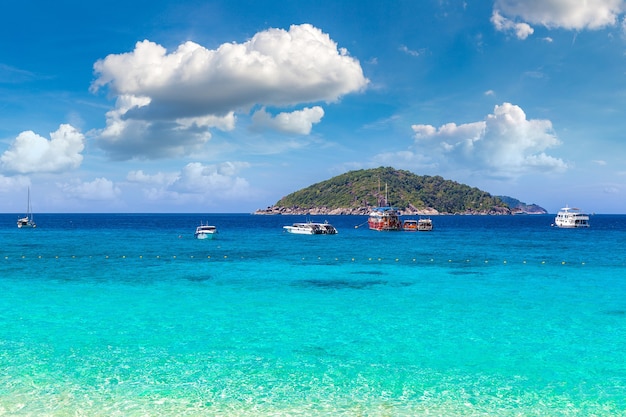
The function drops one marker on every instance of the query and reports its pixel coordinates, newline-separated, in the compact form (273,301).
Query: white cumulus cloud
(298,122)
(160,93)
(31,153)
(505,143)
(217,182)
(100,189)
(508,15)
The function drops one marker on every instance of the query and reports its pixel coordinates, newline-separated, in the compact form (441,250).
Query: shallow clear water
(128,315)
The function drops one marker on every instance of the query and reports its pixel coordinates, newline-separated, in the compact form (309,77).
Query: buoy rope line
(420,260)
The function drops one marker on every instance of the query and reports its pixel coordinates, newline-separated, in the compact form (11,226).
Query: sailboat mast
(29,208)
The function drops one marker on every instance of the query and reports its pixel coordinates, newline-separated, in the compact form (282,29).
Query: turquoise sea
(129,315)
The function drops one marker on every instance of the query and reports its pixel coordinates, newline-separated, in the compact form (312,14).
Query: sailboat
(27,221)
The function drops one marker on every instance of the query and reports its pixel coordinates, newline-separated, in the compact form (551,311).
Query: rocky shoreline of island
(364,211)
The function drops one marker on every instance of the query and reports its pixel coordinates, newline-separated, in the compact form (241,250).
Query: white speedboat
(570,218)
(205,232)
(27,221)
(310,228)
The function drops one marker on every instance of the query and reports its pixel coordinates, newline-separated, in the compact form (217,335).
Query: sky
(193,106)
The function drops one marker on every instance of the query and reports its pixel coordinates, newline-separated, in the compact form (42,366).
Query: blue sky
(227,106)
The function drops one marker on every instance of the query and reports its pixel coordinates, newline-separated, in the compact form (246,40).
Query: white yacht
(205,232)
(310,228)
(570,218)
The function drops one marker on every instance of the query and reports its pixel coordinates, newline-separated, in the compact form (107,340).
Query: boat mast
(29,212)
(386,196)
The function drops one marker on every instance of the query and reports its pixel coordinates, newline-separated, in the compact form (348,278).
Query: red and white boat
(384,219)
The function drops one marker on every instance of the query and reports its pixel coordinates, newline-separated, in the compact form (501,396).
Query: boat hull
(571,226)
(25,223)
(203,236)
(384,226)
(298,231)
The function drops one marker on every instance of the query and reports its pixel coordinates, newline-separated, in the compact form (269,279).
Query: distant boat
(421,225)
(384,218)
(409,225)
(27,221)
(310,228)
(205,231)
(571,218)
(424,225)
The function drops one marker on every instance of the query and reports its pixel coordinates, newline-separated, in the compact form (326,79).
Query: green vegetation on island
(356,192)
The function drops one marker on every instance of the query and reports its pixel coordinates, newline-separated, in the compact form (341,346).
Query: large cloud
(505,144)
(158,91)
(124,138)
(516,15)
(31,153)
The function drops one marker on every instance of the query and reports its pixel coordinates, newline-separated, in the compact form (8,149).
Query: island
(358,192)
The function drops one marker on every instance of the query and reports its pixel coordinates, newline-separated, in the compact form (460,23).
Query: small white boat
(27,221)
(424,225)
(310,228)
(571,218)
(205,232)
